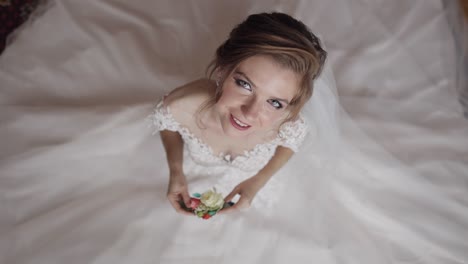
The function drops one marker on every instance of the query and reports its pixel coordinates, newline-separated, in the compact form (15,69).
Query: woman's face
(256,97)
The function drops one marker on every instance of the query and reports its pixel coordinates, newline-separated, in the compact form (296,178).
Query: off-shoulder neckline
(230,158)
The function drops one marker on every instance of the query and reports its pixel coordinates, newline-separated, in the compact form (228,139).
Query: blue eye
(243,84)
(275,103)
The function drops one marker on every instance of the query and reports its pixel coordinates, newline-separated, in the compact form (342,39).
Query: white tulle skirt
(83,180)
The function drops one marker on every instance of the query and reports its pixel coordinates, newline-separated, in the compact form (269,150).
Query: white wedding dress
(83,173)
(207,170)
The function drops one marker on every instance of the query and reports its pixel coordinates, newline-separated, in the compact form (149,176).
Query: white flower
(212,199)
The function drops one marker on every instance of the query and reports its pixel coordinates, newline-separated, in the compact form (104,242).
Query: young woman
(247,119)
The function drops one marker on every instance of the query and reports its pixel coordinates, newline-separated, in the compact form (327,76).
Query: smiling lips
(238,124)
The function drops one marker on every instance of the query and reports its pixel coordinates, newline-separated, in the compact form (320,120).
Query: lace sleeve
(161,119)
(292,134)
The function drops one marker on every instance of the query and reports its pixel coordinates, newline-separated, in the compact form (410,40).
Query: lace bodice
(230,170)
(290,135)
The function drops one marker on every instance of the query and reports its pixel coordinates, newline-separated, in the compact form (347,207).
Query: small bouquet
(206,205)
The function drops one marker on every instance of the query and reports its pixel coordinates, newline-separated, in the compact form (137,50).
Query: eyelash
(274,102)
(241,83)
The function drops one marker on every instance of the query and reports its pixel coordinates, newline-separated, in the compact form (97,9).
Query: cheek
(273,119)
(229,96)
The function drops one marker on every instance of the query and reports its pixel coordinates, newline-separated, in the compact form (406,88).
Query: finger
(175,203)
(231,195)
(239,206)
(186,198)
(185,212)
(228,210)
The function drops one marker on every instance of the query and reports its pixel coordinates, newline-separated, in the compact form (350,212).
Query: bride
(247,121)
(82,181)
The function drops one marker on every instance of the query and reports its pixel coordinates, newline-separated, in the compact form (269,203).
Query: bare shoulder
(185,100)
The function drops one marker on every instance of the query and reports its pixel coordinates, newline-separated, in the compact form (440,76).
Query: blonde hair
(287,40)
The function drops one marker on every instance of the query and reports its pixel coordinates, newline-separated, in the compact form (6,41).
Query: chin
(232,132)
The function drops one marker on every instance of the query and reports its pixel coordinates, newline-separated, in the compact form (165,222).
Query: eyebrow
(250,81)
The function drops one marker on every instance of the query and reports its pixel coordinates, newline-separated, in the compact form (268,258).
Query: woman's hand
(247,191)
(177,193)
(249,188)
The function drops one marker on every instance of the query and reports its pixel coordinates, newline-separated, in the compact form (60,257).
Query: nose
(251,108)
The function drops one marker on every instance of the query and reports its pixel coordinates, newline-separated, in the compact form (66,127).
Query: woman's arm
(183,102)
(177,191)
(174,146)
(249,188)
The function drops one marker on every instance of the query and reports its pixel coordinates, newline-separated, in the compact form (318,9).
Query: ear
(219,74)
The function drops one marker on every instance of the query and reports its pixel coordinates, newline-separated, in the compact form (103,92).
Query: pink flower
(194,202)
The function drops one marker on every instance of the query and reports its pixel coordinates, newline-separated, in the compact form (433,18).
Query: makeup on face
(238,124)
(256,96)
(243,81)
